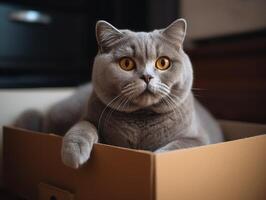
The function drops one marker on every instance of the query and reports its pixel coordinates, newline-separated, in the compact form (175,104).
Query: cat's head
(137,70)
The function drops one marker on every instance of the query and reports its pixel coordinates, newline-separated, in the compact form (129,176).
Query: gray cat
(141,97)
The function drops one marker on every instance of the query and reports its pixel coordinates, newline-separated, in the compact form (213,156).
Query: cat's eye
(162,63)
(127,63)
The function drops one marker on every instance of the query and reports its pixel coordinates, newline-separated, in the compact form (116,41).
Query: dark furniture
(231,72)
(49,43)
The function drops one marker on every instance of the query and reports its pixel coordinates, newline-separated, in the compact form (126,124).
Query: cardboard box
(230,170)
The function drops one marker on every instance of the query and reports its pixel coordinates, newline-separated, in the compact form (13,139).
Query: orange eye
(162,63)
(127,63)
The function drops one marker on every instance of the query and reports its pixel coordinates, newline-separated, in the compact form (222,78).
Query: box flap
(111,173)
(236,130)
(231,170)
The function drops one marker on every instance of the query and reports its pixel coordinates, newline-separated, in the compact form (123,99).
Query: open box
(230,170)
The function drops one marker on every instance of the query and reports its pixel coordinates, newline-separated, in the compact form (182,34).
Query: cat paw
(75,152)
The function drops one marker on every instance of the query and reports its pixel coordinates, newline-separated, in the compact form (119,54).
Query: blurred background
(47,48)
(51,43)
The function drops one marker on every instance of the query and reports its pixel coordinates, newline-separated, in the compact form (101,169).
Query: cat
(140,97)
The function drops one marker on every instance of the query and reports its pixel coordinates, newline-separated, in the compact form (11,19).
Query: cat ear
(176,31)
(107,35)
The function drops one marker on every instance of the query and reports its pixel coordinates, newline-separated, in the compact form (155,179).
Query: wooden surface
(231,76)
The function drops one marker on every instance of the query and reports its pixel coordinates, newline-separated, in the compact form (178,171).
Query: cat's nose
(146,78)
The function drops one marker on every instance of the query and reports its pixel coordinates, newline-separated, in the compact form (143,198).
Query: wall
(209,18)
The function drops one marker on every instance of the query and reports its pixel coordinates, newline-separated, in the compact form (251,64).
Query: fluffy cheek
(115,78)
(172,76)
(108,79)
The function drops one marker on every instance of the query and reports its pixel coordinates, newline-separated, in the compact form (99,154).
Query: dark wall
(60,53)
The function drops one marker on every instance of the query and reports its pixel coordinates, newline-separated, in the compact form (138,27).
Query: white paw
(75,151)
(161,150)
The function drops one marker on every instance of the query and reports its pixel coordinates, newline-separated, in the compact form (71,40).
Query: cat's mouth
(143,95)
(146,93)
(148,90)
(146,98)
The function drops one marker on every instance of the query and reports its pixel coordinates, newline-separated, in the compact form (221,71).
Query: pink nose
(146,78)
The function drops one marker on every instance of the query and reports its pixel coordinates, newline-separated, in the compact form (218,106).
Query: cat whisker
(162,85)
(170,105)
(176,108)
(173,107)
(121,105)
(108,115)
(128,86)
(197,95)
(179,108)
(106,107)
(163,90)
(124,91)
(130,93)
(165,97)
(126,103)
(198,89)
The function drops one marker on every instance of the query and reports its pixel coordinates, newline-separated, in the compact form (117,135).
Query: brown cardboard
(111,173)
(48,192)
(232,170)
(229,170)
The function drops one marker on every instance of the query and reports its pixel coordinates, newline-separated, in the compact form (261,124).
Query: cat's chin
(146,99)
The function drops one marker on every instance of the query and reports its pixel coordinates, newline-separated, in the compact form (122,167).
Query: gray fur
(30,119)
(124,110)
